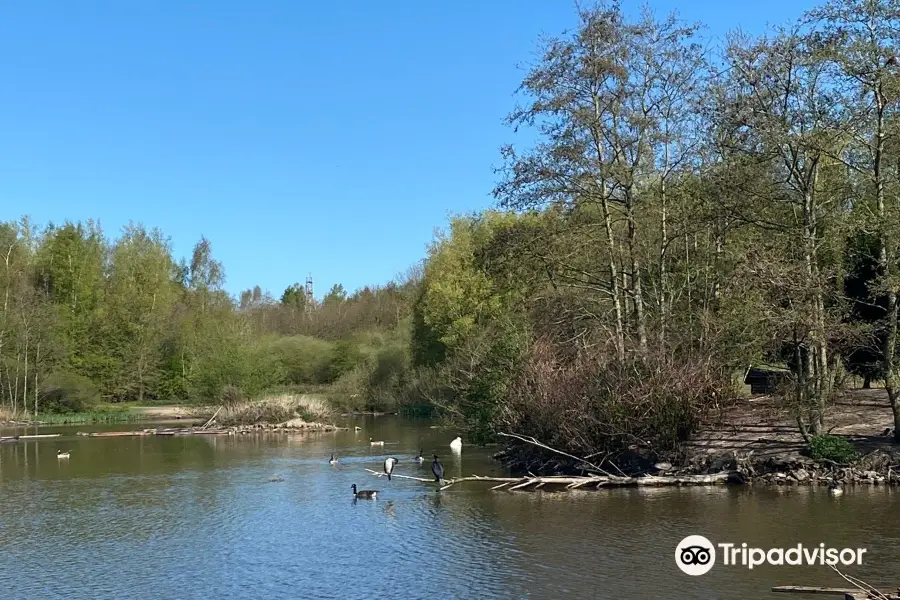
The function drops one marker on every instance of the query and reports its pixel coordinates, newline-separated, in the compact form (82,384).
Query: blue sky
(298,137)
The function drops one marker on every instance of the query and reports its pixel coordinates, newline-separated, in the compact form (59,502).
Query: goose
(389,466)
(835,488)
(333,460)
(374,443)
(363,493)
(61,454)
(420,459)
(438,469)
(357,428)
(456,445)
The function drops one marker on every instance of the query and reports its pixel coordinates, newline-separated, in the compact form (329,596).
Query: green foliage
(65,392)
(304,359)
(106,415)
(833,448)
(345,356)
(294,296)
(483,371)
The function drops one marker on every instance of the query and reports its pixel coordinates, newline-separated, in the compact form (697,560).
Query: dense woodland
(686,212)
(86,320)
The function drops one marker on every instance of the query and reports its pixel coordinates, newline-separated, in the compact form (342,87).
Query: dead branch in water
(213,418)
(531,440)
(860,589)
(870,591)
(571,483)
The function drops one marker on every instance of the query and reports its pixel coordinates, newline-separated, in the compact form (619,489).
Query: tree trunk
(884,263)
(614,280)
(636,292)
(37,362)
(663,245)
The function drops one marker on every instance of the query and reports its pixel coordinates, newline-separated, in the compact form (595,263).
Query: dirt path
(760,425)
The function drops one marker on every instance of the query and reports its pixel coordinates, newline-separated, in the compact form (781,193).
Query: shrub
(833,448)
(273,409)
(589,403)
(66,392)
(305,360)
(231,395)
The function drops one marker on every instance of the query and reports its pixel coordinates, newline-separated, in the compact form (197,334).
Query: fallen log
(599,481)
(860,591)
(15,438)
(803,589)
(120,433)
(846,593)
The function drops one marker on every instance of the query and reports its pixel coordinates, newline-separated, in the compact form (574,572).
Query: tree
(858,39)
(609,103)
(140,298)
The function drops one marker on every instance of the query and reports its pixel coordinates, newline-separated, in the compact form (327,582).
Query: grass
(95,416)
(276,408)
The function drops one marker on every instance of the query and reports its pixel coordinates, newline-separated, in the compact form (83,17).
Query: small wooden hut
(765,379)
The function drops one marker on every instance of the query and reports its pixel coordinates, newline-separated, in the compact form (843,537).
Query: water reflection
(198,517)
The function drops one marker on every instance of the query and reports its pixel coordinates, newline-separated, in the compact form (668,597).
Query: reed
(88,417)
(276,408)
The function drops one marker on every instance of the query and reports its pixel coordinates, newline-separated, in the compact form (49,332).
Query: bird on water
(389,466)
(456,445)
(363,493)
(374,443)
(333,460)
(438,469)
(61,454)
(836,488)
(420,459)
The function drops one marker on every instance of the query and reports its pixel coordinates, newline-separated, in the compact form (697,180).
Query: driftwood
(15,438)
(860,591)
(212,431)
(535,442)
(821,591)
(572,483)
(212,418)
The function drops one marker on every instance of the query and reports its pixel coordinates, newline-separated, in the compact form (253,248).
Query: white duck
(456,445)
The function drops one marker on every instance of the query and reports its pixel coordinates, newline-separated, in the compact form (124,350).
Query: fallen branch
(534,441)
(212,418)
(860,589)
(870,591)
(572,483)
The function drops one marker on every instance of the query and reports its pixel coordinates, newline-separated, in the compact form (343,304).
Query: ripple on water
(199,518)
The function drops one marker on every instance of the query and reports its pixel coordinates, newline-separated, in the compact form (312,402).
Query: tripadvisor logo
(696,555)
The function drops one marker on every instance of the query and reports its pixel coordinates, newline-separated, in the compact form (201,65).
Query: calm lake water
(197,517)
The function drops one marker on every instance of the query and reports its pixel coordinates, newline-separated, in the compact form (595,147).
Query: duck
(456,445)
(357,428)
(438,469)
(363,493)
(374,443)
(389,466)
(836,489)
(420,459)
(333,460)
(61,454)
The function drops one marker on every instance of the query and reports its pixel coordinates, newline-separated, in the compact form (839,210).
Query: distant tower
(309,293)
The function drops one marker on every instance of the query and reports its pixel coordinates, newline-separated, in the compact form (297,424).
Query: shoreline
(757,438)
